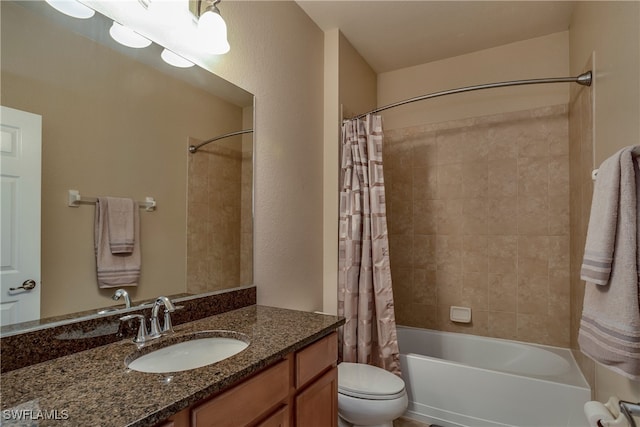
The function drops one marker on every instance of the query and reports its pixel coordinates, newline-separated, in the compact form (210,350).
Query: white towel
(610,325)
(116,269)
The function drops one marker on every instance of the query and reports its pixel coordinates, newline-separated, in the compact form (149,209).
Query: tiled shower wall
(246,216)
(478,216)
(219,218)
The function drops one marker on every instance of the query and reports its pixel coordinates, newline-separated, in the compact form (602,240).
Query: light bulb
(176,60)
(128,37)
(212,32)
(72,8)
(170,11)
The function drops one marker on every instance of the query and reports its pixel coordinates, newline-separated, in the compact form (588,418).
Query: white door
(20,153)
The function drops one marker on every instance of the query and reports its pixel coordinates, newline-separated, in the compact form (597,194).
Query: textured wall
(277,54)
(581,185)
(546,56)
(350,88)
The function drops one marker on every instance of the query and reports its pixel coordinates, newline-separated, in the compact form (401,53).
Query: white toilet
(369,396)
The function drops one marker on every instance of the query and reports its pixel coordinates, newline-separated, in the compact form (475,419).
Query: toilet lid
(368,382)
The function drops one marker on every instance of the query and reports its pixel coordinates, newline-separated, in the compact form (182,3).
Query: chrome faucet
(167,327)
(142,335)
(155,330)
(122,293)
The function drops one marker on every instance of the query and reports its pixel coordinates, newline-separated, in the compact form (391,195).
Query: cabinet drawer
(315,358)
(247,401)
(279,419)
(181,419)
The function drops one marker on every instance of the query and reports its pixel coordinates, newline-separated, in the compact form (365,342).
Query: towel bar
(75,200)
(622,411)
(630,410)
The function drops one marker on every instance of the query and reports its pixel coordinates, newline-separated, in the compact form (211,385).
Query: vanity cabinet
(316,400)
(317,405)
(299,391)
(247,402)
(279,419)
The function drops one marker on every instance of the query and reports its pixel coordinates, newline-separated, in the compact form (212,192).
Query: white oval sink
(197,352)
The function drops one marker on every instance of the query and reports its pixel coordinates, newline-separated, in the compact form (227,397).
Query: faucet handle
(156,330)
(142,328)
(167,326)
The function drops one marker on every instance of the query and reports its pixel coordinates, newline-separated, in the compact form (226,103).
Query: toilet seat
(368,382)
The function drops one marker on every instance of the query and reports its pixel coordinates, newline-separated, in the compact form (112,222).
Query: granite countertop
(95,388)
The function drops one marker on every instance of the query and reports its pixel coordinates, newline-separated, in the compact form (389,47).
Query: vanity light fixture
(127,37)
(174,59)
(72,8)
(212,30)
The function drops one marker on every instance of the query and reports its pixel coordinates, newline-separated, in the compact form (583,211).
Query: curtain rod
(194,148)
(583,79)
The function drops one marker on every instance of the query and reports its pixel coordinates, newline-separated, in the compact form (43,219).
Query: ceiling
(396,34)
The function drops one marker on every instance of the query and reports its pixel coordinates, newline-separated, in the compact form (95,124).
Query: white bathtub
(465,380)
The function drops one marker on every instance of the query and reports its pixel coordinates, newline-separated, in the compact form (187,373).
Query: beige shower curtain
(365,297)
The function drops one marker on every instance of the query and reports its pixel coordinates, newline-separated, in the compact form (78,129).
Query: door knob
(27,285)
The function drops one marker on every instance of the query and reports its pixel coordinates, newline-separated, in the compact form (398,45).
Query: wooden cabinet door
(317,405)
(312,360)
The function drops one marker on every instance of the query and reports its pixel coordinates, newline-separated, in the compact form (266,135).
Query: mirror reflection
(117,121)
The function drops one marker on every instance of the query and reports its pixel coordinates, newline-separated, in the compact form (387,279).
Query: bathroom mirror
(118,121)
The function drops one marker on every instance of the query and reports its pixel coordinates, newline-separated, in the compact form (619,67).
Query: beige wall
(246,220)
(581,191)
(546,56)
(358,81)
(350,88)
(277,54)
(610,33)
(331,168)
(138,151)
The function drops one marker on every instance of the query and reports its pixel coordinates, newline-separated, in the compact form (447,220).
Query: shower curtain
(365,296)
